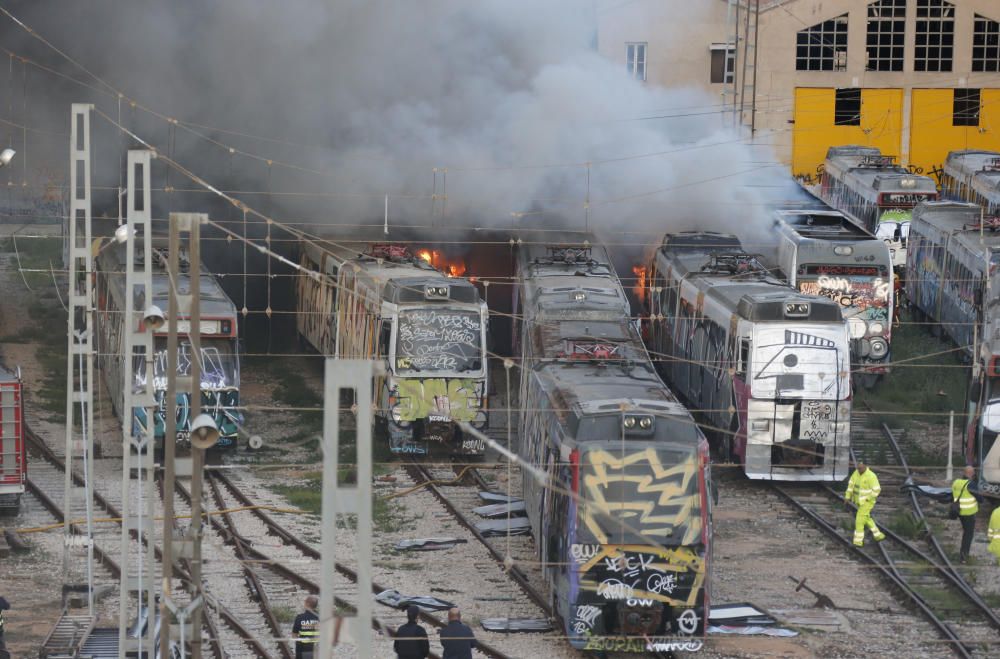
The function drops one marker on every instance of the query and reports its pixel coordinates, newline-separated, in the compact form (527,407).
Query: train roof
(960,219)
(716,264)
(590,396)
(822,225)
(571,279)
(978,169)
(214,301)
(866,170)
(398,276)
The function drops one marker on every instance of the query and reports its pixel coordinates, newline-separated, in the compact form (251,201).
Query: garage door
(825,117)
(941,123)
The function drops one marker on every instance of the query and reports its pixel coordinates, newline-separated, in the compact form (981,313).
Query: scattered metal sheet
(821,619)
(752,630)
(397,601)
(497,497)
(511,625)
(939,494)
(514,508)
(739,615)
(428,544)
(494,527)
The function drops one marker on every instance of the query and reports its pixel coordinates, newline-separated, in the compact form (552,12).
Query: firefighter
(306,629)
(862,490)
(993,533)
(963,494)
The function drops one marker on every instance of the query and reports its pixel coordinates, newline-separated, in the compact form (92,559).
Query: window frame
(820,53)
(728,54)
(964,99)
(844,96)
(633,61)
(983,30)
(934,37)
(887,26)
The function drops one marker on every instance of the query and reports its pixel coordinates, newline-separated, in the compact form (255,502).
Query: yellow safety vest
(993,532)
(863,488)
(967,504)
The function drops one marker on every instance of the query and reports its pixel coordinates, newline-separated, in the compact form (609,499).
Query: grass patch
(927,375)
(291,390)
(907,525)
(386,513)
(283,614)
(941,598)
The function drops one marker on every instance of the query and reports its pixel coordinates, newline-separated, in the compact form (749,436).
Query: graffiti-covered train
(973,176)
(823,253)
(220,358)
(767,367)
(428,328)
(623,521)
(875,192)
(953,283)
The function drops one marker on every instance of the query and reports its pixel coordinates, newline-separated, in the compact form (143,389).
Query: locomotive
(428,328)
(766,366)
(973,176)
(875,192)
(823,253)
(623,522)
(220,355)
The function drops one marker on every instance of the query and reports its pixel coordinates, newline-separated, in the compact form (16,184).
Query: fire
(449,266)
(640,282)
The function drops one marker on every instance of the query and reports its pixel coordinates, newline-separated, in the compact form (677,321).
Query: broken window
(819,48)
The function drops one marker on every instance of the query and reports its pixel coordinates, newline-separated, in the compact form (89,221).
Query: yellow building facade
(915,78)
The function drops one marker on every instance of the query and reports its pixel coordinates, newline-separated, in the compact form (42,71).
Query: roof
(7,375)
(960,219)
(571,280)
(822,225)
(980,170)
(866,169)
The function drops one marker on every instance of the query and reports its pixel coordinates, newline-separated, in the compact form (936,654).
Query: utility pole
(355,377)
(80,351)
(203,433)
(141,319)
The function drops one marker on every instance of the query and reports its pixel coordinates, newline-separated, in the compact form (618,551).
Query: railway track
(917,567)
(280,559)
(518,550)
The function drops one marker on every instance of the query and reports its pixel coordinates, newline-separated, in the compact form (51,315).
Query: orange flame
(426,255)
(449,266)
(640,283)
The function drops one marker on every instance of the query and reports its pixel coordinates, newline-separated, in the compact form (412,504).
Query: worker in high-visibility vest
(993,533)
(305,629)
(863,490)
(964,494)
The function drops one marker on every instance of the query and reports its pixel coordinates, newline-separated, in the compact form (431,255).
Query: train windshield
(863,291)
(220,366)
(807,361)
(639,495)
(446,340)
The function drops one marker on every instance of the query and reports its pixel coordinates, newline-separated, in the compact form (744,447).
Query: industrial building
(915,78)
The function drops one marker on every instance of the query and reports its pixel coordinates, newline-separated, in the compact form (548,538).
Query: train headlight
(397,419)
(630,422)
(879,348)
(843,250)
(579,296)
(856,327)
(479,421)
(908,183)
(796,309)
(876,328)
(646,423)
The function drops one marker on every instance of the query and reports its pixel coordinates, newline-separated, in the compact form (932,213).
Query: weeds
(907,525)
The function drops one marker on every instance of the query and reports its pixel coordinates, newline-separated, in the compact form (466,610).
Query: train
(623,521)
(821,252)
(973,176)
(765,366)
(429,329)
(13,452)
(220,351)
(875,193)
(953,283)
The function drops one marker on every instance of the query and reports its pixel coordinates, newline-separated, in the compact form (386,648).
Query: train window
(965,107)
(741,365)
(383,338)
(847,107)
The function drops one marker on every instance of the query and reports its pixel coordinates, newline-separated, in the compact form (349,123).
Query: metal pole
(951,440)
(194,221)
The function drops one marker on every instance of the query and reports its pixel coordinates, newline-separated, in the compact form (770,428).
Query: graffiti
(867,297)
(670,575)
(642,644)
(222,406)
(661,583)
(613,589)
(473,445)
(585,618)
(687,622)
(810,365)
(439,341)
(450,399)
(583,553)
(659,501)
